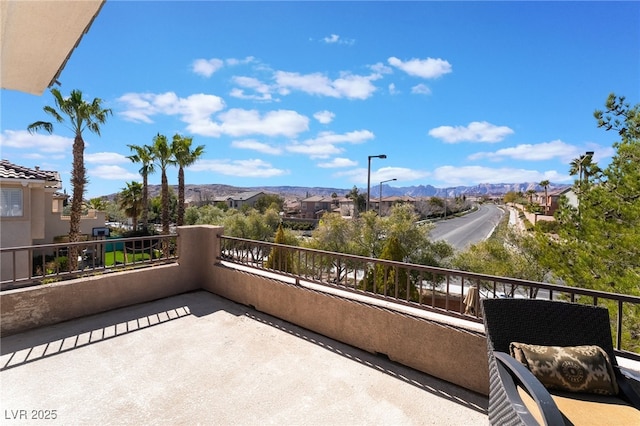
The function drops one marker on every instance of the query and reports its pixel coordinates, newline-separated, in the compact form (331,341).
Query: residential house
(553,200)
(314,207)
(241,199)
(31,210)
(384,205)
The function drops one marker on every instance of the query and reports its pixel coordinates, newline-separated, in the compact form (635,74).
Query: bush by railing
(451,292)
(46,263)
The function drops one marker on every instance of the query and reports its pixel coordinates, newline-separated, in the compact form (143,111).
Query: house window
(10,202)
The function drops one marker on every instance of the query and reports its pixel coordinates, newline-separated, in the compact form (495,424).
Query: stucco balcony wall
(451,352)
(455,354)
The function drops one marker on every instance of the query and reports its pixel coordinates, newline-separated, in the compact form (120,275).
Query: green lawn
(113,257)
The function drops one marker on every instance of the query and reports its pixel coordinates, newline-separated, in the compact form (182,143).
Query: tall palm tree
(163,157)
(130,201)
(184,157)
(78,115)
(545,184)
(144,156)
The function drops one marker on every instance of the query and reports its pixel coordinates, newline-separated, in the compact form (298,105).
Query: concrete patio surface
(197,358)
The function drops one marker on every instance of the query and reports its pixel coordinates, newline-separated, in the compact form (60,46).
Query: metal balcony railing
(452,292)
(41,264)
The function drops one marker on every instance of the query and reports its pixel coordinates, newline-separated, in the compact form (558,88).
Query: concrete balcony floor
(199,359)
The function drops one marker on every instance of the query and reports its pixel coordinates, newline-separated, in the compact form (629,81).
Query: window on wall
(10,202)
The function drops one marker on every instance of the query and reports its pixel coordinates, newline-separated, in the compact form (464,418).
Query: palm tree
(584,166)
(545,184)
(530,194)
(97,203)
(184,157)
(574,167)
(130,201)
(79,115)
(163,157)
(144,155)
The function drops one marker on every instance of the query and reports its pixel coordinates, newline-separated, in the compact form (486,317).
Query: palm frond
(38,125)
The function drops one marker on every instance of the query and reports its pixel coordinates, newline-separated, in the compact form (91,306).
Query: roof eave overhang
(37,39)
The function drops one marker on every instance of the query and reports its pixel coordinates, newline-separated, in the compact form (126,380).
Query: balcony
(214,336)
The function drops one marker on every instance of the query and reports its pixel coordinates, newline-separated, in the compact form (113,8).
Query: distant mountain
(208,191)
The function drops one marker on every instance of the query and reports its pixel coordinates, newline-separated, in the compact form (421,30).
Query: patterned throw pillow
(575,369)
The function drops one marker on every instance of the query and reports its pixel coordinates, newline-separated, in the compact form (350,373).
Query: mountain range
(208,191)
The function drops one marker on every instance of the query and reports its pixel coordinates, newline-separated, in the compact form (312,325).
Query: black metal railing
(455,293)
(41,264)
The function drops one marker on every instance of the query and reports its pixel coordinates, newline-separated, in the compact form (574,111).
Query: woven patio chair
(518,397)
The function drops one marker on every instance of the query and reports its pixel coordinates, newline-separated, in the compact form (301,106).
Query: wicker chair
(516,397)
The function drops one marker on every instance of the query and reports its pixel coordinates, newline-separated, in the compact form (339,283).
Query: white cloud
(380,68)
(252,168)
(324,117)
(336,39)
(196,111)
(140,107)
(206,67)
(425,68)
(393,90)
(347,86)
(314,150)
(402,174)
(234,61)
(421,89)
(256,146)
(106,158)
(532,152)
(39,142)
(263,90)
(338,162)
(476,131)
(111,172)
(355,137)
(470,175)
(324,145)
(241,122)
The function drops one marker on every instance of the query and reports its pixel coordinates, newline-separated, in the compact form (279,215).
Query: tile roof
(9,170)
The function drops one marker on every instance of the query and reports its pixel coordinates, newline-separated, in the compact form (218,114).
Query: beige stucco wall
(57,225)
(17,231)
(454,354)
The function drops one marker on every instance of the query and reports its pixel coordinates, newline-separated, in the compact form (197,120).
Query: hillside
(208,191)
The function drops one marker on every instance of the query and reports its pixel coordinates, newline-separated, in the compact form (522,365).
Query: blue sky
(300,93)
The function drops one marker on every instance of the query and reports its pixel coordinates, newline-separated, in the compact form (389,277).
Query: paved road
(468,229)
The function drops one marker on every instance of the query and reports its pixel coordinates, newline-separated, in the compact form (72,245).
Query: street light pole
(381,156)
(380,195)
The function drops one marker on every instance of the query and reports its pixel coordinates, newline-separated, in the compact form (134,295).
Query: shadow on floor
(59,338)
(34,345)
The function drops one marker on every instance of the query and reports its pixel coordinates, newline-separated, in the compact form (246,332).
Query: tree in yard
(78,115)
(391,280)
(97,203)
(336,234)
(144,156)
(597,245)
(545,184)
(184,157)
(598,242)
(130,200)
(163,156)
(584,167)
(279,257)
(359,201)
(269,201)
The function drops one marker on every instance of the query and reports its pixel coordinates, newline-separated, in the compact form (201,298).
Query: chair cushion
(574,369)
(587,409)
